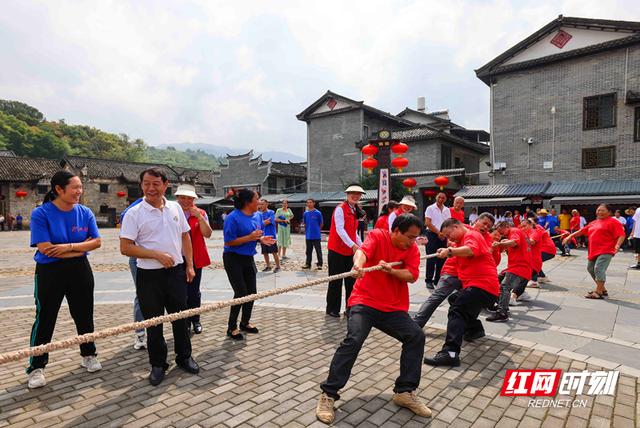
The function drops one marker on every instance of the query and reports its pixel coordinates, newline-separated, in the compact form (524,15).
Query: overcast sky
(236,72)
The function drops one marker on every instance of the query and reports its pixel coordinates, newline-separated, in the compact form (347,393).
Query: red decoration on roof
(369,150)
(441,181)
(399,163)
(331,103)
(409,183)
(370,164)
(560,39)
(399,148)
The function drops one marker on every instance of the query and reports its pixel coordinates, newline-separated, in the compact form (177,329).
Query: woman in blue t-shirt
(242,230)
(63,232)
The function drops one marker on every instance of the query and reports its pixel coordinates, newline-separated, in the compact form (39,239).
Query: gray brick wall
(332,156)
(522,104)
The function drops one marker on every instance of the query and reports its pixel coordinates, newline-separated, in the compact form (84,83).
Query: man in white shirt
(635,233)
(156,232)
(434,216)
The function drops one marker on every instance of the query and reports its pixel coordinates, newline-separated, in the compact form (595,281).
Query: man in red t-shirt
(480,288)
(450,282)
(518,271)
(457,210)
(380,299)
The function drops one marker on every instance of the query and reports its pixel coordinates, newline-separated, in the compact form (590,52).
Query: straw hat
(186,190)
(543,211)
(355,189)
(409,201)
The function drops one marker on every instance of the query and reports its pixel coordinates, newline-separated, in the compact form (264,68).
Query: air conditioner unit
(500,166)
(547,165)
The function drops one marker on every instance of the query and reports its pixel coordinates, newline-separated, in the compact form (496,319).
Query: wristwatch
(450,253)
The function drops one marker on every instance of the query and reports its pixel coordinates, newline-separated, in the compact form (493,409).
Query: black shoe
(430,285)
(493,309)
(635,266)
(473,335)
(306,267)
(189,365)
(443,358)
(197,327)
(267,269)
(157,375)
(333,314)
(249,329)
(499,316)
(237,336)
(319,267)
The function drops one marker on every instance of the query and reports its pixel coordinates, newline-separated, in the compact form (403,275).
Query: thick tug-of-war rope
(123,328)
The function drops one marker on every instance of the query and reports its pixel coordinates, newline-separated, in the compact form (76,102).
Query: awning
(493,202)
(594,200)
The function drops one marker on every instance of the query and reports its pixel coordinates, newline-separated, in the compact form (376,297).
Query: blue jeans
(446,285)
(137,313)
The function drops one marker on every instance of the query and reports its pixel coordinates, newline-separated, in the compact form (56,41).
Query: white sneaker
(513,301)
(533,284)
(524,297)
(36,379)
(141,342)
(91,363)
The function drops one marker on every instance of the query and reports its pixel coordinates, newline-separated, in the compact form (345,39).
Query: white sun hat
(409,201)
(355,189)
(186,190)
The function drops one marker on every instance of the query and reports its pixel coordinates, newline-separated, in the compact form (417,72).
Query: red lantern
(21,194)
(399,163)
(441,181)
(409,183)
(399,148)
(429,193)
(369,150)
(370,164)
(121,194)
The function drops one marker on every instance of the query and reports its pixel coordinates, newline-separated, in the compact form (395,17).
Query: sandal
(594,295)
(605,293)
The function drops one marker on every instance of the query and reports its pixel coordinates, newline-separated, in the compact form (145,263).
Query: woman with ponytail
(242,230)
(63,231)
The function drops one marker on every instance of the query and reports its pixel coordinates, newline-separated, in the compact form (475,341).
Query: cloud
(205,71)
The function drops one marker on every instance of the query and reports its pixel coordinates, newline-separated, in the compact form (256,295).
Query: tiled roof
(427,132)
(503,190)
(198,176)
(295,169)
(594,188)
(27,169)
(105,168)
(7,153)
(319,196)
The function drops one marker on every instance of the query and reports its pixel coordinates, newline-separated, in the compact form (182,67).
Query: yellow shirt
(564,219)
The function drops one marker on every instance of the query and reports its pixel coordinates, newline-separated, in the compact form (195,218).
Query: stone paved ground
(272,380)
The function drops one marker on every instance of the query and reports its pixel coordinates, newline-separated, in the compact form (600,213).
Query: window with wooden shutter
(599,112)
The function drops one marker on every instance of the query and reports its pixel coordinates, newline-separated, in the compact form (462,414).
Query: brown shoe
(324,410)
(411,401)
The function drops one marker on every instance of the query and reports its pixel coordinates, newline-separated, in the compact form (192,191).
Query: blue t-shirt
(629,225)
(312,224)
(542,220)
(238,224)
(552,223)
(50,224)
(269,229)
(133,204)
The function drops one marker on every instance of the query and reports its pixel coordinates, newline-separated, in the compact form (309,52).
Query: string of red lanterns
(21,194)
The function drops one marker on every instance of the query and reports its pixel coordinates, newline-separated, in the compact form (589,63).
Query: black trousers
(535,275)
(70,278)
(339,264)
(241,271)
(194,297)
(398,325)
(434,265)
(311,245)
(465,306)
(157,290)
(447,285)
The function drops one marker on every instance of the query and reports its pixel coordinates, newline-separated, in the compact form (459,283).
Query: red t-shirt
(564,234)
(377,289)
(574,223)
(458,215)
(450,266)
(480,270)
(519,262)
(536,235)
(382,222)
(547,245)
(516,220)
(603,234)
